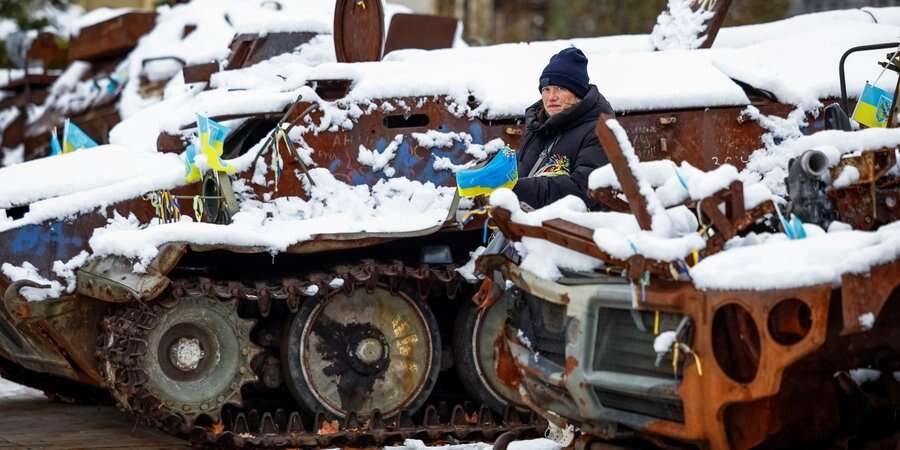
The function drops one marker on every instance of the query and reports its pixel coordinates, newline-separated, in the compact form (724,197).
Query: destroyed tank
(703,331)
(206,354)
(342,198)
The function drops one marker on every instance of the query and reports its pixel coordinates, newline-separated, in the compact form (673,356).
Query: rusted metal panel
(14,133)
(249,49)
(111,38)
(717,343)
(73,325)
(420,31)
(46,48)
(870,201)
(29,82)
(24,341)
(199,73)
(113,279)
(331,90)
(42,244)
(339,150)
(54,336)
(705,138)
(358,30)
(867,293)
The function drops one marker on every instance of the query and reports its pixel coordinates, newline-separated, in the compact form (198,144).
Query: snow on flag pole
(74,138)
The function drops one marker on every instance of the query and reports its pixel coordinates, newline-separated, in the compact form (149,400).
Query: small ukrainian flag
(75,138)
(212,143)
(191,171)
(874,107)
(55,149)
(501,171)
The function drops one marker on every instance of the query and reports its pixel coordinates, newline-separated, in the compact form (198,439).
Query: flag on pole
(74,138)
(501,171)
(191,171)
(873,107)
(212,143)
(55,148)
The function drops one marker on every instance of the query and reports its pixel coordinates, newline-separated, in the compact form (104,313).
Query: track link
(286,430)
(253,428)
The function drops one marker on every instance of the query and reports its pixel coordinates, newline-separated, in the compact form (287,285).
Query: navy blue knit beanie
(568,69)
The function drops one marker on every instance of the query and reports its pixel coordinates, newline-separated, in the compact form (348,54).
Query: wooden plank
(33,422)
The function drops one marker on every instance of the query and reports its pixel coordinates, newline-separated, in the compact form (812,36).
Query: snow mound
(680,27)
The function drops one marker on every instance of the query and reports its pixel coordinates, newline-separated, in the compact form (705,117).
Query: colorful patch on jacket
(557,165)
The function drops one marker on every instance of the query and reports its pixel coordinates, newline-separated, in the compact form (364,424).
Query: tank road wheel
(361,351)
(185,357)
(476,339)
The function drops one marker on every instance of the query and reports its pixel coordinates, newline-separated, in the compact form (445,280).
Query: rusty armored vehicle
(308,275)
(715,336)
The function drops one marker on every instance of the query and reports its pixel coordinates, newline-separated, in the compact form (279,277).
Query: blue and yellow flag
(75,138)
(501,171)
(873,107)
(55,148)
(212,143)
(191,171)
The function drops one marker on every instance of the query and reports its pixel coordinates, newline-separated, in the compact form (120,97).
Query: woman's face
(557,99)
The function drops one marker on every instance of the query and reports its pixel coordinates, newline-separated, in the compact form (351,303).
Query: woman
(560,149)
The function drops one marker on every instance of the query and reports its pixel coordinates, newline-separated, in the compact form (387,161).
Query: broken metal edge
(14,305)
(112,279)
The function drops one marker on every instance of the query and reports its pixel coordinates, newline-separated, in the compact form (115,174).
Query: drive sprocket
(176,360)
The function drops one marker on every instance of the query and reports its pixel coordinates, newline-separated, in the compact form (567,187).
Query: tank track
(255,428)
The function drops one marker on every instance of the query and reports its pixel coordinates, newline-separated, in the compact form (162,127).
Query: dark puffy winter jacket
(574,155)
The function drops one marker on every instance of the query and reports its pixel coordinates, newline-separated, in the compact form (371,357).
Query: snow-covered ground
(8,389)
(533,444)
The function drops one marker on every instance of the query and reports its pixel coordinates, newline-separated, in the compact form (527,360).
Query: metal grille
(662,408)
(624,345)
(543,324)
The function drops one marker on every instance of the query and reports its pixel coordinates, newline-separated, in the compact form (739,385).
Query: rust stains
(507,372)
(571,364)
